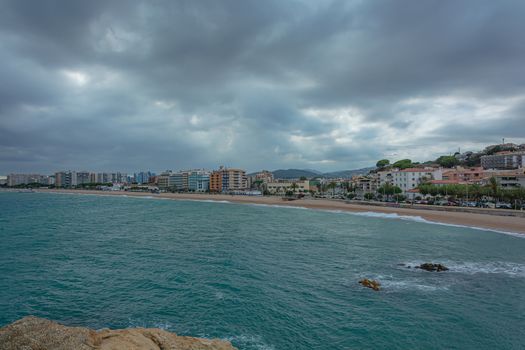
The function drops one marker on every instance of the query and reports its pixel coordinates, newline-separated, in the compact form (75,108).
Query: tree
(402,164)
(303,178)
(369,195)
(388,190)
(494,186)
(382,163)
(400,197)
(332,185)
(447,161)
(294,187)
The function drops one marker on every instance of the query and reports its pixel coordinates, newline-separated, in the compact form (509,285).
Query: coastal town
(493,178)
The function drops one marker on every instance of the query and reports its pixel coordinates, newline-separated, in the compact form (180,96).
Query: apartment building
(216,181)
(408,179)
(281,187)
(199,181)
(467,175)
(24,179)
(504,160)
(228,179)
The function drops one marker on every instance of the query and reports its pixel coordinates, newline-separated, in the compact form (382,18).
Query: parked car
(488,205)
(501,205)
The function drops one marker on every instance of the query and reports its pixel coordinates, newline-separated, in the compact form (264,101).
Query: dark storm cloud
(125,85)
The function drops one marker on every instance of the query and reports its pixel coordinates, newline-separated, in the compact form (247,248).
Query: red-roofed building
(470,175)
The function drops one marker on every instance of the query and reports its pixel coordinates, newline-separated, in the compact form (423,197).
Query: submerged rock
(33,333)
(370,284)
(432,267)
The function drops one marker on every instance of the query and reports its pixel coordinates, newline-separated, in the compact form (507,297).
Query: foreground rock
(375,285)
(432,267)
(33,333)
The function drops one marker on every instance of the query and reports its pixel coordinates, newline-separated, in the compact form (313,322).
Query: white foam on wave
(472,268)
(389,283)
(278,206)
(425,221)
(372,214)
(497,267)
(155,324)
(253,341)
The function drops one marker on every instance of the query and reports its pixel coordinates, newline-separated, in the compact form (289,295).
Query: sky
(325,85)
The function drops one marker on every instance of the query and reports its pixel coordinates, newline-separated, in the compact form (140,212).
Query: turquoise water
(262,277)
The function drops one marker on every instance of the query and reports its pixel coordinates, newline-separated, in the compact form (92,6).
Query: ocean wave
(154,324)
(278,206)
(471,268)
(420,219)
(250,341)
(391,283)
(208,200)
(372,214)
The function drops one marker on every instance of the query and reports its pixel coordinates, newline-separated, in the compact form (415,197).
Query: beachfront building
(83,177)
(3,180)
(216,181)
(365,184)
(466,175)
(386,176)
(25,179)
(199,180)
(504,160)
(281,187)
(265,176)
(510,180)
(411,178)
(143,177)
(234,180)
(66,179)
(179,181)
(228,179)
(163,180)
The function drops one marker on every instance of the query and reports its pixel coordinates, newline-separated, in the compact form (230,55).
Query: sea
(263,277)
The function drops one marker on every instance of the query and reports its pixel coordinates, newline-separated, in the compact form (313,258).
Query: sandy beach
(511,224)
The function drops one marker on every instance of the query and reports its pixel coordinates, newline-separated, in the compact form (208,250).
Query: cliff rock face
(33,333)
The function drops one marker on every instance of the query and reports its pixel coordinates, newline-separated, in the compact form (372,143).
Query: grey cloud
(228,82)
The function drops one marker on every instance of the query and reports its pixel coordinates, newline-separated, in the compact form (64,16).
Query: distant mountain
(347,173)
(309,173)
(294,173)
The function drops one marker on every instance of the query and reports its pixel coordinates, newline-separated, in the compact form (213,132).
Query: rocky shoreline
(33,333)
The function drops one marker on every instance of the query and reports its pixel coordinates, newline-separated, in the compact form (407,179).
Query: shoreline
(500,223)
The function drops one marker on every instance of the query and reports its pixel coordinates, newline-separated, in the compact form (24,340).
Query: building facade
(199,181)
(228,179)
(143,177)
(281,187)
(216,181)
(411,178)
(504,160)
(26,179)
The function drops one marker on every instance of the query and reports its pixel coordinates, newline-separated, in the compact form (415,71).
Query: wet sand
(494,222)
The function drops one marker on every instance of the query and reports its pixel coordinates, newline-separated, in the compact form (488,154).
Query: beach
(510,224)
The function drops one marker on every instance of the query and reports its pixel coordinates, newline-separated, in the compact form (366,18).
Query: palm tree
(493,183)
(332,185)
(294,187)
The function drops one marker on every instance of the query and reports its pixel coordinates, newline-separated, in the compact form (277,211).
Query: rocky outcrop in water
(375,285)
(33,333)
(432,267)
